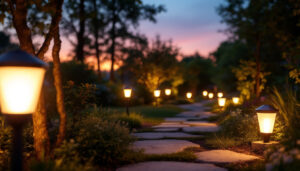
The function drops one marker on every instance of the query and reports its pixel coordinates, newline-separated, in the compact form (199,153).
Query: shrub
(103,142)
(132,121)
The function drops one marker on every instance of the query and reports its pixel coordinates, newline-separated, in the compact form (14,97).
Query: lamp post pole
(127,106)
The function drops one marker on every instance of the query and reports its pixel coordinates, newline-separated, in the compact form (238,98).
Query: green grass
(152,114)
(256,165)
(216,141)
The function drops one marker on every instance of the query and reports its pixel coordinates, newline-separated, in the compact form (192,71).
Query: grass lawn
(152,114)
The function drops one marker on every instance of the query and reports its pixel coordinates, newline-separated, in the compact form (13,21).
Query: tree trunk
(113,44)
(258,69)
(80,34)
(96,35)
(58,87)
(40,132)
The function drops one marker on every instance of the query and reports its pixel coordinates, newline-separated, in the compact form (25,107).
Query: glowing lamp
(21,80)
(220,94)
(204,93)
(210,95)
(266,118)
(189,95)
(168,92)
(235,100)
(127,92)
(156,93)
(221,102)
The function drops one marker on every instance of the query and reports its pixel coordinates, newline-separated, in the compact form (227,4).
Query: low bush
(132,121)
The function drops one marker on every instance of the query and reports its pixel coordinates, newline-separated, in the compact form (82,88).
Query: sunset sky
(193,25)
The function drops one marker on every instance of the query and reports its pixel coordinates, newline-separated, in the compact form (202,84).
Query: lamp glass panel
(211,95)
(221,101)
(168,92)
(204,93)
(266,122)
(236,100)
(220,94)
(189,95)
(127,93)
(156,93)
(20,89)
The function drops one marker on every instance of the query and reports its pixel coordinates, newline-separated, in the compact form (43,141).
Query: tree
(153,65)
(5,44)
(19,14)
(123,14)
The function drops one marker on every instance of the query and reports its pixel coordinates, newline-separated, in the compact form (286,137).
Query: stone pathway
(168,137)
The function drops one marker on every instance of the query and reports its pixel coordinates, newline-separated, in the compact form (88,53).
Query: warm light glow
(220,94)
(20,89)
(222,102)
(189,95)
(127,92)
(210,95)
(236,100)
(156,93)
(168,92)
(266,122)
(204,93)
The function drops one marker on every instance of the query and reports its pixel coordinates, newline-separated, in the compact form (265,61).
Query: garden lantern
(220,94)
(210,95)
(127,95)
(266,118)
(168,92)
(235,100)
(21,80)
(221,102)
(204,93)
(189,95)
(156,94)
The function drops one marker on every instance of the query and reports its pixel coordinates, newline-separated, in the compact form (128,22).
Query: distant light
(189,95)
(210,95)
(127,92)
(168,92)
(235,100)
(204,93)
(220,94)
(221,102)
(156,93)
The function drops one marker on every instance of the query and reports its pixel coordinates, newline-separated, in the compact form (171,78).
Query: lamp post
(21,79)
(220,94)
(266,118)
(156,95)
(204,93)
(235,100)
(210,95)
(127,95)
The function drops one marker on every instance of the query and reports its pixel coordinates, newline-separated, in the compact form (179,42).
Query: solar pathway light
(168,92)
(204,93)
(21,80)
(235,100)
(189,95)
(220,94)
(210,95)
(127,95)
(157,95)
(221,101)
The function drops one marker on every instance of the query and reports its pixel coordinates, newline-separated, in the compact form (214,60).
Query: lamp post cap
(21,58)
(266,109)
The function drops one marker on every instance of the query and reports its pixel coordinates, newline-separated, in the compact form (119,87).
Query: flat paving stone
(166,129)
(175,119)
(170,125)
(202,129)
(160,135)
(223,156)
(162,146)
(200,123)
(170,166)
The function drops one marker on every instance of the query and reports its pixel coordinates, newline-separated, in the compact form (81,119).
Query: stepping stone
(199,123)
(162,146)
(223,156)
(160,135)
(211,128)
(170,125)
(170,166)
(166,129)
(175,119)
